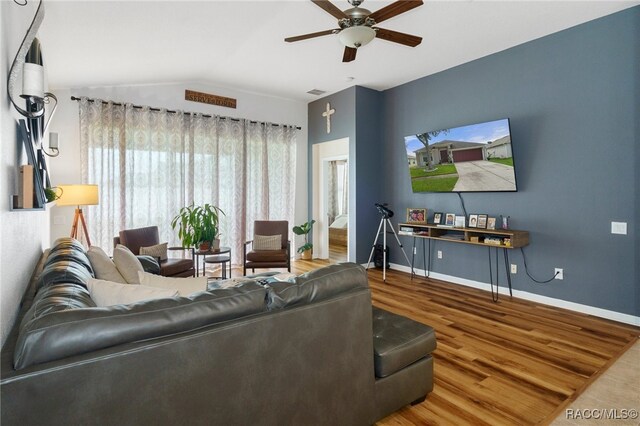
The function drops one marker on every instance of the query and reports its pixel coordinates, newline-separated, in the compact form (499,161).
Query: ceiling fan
(357,25)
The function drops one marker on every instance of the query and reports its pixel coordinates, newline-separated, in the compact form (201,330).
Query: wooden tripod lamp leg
(84,227)
(74,227)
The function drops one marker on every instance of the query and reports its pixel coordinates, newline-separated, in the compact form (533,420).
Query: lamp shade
(356,36)
(78,195)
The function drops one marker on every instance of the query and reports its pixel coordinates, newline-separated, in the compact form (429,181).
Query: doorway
(330,162)
(337,202)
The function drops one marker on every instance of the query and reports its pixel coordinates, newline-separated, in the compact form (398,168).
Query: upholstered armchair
(265,252)
(133,239)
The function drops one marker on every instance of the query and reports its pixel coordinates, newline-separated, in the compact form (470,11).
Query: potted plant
(198,226)
(52,193)
(306,250)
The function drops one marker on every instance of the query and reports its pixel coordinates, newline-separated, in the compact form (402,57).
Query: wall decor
(36,162)
(482,221)
(505,221)
(491,223)
(31,130)
(25,188)
(450,219)
(473,220)
(206,98)
(416,215)
(328,113)
(437,218)
(460,221)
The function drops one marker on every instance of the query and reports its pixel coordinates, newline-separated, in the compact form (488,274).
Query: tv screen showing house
(474,158)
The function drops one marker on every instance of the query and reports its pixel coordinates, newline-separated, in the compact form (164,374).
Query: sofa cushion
(58,298)
(184,286)
(62,272)
(127,263)
(317,285)
(71,255)
(107,293)
(76,331)
(103,266)
(267,256)
(399,341)
(149,264)
(66,243)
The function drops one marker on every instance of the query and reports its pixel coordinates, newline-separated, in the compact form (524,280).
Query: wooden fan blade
(394,9)
(310,35)
(396,37)
(349,54)
(329,7)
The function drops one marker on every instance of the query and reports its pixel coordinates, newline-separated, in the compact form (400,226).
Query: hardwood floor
(508,363)
(337,253)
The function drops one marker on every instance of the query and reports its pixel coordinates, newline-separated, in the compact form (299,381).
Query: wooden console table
(504,239)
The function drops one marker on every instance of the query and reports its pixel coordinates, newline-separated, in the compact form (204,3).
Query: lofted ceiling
(239,44)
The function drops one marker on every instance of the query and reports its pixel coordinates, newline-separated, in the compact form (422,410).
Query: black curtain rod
(73,98)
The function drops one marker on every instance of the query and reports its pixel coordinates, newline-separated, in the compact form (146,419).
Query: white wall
(66,167)
(23,235)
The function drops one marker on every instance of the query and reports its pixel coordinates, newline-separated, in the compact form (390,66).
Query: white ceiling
(239,44)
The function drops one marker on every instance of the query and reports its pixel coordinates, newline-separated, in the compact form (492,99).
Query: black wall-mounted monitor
(473,158)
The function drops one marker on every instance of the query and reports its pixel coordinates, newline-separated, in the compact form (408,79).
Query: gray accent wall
(573,102)
(572,99)
(358,116)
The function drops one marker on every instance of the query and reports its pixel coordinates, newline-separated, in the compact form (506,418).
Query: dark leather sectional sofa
(284,353)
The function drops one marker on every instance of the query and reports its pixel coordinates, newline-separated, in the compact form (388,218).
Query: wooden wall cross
(328,113)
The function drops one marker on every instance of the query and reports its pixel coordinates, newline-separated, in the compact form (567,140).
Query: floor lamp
(79,195)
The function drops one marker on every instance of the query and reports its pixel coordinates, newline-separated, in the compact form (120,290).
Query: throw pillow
(127,263)
(185,286)
(103,266)
(158,251)
(107,293)
(267,242)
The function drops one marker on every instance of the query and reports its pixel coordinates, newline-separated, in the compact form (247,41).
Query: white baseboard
(585,309)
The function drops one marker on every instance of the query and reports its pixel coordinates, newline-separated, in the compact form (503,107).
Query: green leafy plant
(197,224)
(52,193)
(304,229)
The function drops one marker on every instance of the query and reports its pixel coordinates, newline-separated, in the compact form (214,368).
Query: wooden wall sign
(205,98)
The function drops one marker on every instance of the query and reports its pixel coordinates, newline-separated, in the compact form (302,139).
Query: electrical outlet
(619,228)
(514,268)
(439,254)
(415,250)
(559,274)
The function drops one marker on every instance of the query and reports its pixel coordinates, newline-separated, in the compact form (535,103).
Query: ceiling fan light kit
(356,36)
(356,25)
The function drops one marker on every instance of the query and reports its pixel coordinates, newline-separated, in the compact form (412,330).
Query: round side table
(222,256)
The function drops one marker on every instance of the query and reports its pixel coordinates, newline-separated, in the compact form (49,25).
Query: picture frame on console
(491,223)
(450,219)
(482,221)
(437,218)
(416,215)
(473,221)
(460,221)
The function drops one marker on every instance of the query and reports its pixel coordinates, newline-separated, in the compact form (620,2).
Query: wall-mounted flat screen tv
(474,158)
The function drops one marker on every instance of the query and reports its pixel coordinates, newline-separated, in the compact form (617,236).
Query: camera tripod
(384,221)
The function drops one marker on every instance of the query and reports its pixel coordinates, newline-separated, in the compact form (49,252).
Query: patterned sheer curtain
(148,164)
